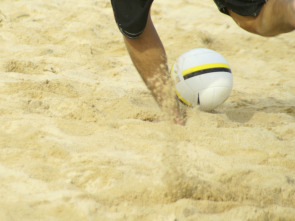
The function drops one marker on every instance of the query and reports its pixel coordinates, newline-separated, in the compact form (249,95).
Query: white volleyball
(202,77)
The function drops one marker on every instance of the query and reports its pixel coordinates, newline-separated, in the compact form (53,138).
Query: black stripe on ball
(205,71)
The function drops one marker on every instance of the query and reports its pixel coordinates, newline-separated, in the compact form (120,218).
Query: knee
(268,23)
(249,23)
(263,26)
(252,25)
(267,28)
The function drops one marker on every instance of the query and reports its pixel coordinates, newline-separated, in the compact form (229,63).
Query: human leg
(147,52)
(275,17)
(149,57)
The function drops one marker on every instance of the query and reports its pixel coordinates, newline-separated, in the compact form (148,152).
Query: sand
(81,137)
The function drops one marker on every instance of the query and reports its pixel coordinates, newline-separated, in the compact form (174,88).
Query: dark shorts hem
(241,7)
(131,16)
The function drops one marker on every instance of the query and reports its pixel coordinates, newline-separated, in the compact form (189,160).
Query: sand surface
(81,138)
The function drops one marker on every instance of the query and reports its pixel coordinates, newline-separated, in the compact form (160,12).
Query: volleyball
(202,77)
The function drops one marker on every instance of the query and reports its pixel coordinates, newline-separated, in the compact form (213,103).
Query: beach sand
(81,137)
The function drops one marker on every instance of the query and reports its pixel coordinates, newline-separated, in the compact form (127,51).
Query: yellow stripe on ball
(204,67)
(183,100)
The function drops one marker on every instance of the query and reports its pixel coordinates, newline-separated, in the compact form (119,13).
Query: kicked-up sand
(81,137)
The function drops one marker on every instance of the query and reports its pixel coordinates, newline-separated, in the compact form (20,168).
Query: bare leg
(275,17)
(149,58)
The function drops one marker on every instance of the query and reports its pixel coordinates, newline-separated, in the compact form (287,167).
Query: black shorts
(131,16)
(241,7)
